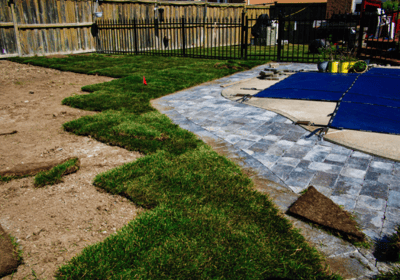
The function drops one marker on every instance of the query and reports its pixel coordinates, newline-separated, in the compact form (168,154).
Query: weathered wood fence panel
(119,10)
(44,27)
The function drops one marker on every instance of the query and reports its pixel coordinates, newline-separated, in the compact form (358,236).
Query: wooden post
(16,33)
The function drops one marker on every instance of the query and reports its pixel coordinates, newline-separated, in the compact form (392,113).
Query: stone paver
(365,185)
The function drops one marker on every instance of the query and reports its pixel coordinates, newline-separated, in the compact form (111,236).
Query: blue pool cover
(370,101)
(310,86)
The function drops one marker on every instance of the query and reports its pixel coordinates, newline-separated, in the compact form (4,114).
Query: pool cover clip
(322,131)
(244,97)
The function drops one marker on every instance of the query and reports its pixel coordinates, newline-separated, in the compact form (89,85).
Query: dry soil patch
(54,223)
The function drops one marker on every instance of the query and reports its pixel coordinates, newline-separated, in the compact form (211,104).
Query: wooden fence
(39,27)
(121,10)
(46,27)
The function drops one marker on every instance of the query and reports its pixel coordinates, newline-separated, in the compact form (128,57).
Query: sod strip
(205,219)
(54,175)
(146,133)
(207,223)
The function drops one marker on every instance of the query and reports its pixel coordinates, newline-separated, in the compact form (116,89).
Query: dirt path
(55,223)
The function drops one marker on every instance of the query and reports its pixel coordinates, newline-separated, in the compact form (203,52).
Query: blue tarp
(371,104)
(310,86)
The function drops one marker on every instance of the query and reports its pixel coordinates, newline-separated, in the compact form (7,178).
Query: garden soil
(54,223)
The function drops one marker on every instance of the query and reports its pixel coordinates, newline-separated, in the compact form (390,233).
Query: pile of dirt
(9,258)
(319,209)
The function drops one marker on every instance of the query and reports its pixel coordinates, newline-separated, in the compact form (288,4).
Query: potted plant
(359,67)
(347,60)
(325,60)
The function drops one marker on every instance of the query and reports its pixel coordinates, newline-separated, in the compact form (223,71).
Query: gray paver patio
(365,185)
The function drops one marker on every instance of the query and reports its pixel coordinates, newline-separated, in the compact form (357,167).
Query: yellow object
(344,67)
(351,64)
(333,66)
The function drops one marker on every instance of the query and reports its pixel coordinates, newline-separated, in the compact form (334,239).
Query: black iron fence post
(135,35)
(246,38)
(281,28)
(242,39)
(360,35)
(183,37)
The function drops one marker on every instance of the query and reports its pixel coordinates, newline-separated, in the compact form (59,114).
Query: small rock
(31,92)
(59,149)
(26,101)
(266,73)
(60,259)
(104,232)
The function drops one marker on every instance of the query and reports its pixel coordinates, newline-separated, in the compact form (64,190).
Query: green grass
(6,179)
(204,221)
(290,52)
(18,252)
(144,133)
(54,175)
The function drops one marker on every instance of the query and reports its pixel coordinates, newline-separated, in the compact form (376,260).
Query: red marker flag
(144,81)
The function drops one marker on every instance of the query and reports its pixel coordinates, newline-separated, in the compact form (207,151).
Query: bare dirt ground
(54,223)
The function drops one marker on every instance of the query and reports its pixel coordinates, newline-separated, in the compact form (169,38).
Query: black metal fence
(285,38)
(189,37)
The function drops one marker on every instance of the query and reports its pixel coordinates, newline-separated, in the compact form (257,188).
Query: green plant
(348,55)
(395,6)
(359,66)
(390,5)
(327,53)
